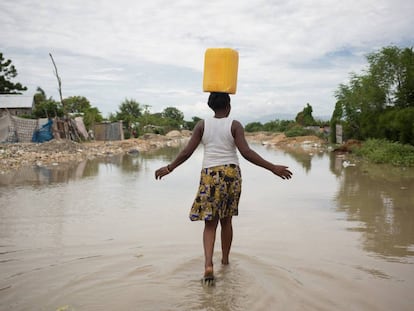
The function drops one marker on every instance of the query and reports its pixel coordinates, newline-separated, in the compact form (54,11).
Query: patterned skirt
(218,193)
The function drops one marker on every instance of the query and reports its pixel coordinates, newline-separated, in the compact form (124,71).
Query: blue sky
(290,52)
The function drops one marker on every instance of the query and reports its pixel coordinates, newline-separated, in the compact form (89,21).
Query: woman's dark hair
(218,100)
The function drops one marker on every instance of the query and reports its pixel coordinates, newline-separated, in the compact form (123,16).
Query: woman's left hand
(161,172)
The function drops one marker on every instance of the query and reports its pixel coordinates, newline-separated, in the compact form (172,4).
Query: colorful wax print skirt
(218,193)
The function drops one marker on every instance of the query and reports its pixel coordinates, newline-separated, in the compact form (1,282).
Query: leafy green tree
(44,107)
(298,130)
(173,113)
(39,96)
(253,127)
(397,125)
(335,119)
(272,126)
(91,116)
(7,73)
(48,108)
(129,112)
(130,107)
(405,93)
(305,117)
(189,125)
(392,69)
(76,104)
(174,118)
(80,106)
(278,125)
(112,117)
(146,118)
(386,86)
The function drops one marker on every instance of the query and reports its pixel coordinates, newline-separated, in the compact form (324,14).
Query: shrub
(383,151)
(253,127)
(298,130)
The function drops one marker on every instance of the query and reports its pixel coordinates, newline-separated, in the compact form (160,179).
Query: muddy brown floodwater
(103,234)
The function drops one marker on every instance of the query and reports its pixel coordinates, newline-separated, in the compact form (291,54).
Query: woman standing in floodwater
(220,182)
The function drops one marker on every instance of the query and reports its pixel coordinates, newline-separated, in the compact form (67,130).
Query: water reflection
(44,175)
(65,172)
(165,154)
(379,202)
(305,156)
(304,153)
(377,199)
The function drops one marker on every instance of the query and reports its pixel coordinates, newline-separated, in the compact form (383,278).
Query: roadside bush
(298,130)
(127,134)
(397,125)
(253,127)
(383,151)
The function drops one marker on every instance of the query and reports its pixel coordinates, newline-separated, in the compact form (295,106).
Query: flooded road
(108,236)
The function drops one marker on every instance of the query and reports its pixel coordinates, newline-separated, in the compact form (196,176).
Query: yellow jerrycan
(220,70)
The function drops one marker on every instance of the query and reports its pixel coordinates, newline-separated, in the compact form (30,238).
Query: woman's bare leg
(209,237)
(226,238)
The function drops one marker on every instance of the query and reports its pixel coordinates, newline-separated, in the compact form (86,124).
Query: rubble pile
(16,155)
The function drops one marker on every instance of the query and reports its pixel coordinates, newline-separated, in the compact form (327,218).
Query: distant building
(15,104)
(107,131)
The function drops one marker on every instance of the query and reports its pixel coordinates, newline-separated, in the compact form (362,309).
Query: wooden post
(59,83)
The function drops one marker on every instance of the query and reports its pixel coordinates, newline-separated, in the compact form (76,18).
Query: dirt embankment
(14,156)
(281,141)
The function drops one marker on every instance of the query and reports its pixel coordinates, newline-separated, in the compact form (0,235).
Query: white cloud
(291,52)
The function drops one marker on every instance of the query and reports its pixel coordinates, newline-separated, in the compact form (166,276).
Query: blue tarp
(43,134)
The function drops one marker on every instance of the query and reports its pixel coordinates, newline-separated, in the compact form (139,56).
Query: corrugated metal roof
(10,101)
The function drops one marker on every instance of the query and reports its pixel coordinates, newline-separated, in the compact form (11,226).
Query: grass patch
(383,151)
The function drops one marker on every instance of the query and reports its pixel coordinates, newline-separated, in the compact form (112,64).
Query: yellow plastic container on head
(220,70)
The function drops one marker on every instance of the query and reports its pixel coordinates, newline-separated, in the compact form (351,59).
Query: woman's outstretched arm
(185,153)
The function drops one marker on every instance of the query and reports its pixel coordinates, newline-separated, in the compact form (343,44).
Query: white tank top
(219,146)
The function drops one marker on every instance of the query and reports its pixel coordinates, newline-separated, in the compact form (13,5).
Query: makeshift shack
(108,131)
(14,129)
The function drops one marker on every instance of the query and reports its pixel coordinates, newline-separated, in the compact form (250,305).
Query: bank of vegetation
(382,151)
(375,107)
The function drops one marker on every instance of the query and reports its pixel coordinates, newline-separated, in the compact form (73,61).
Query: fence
(14,129)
